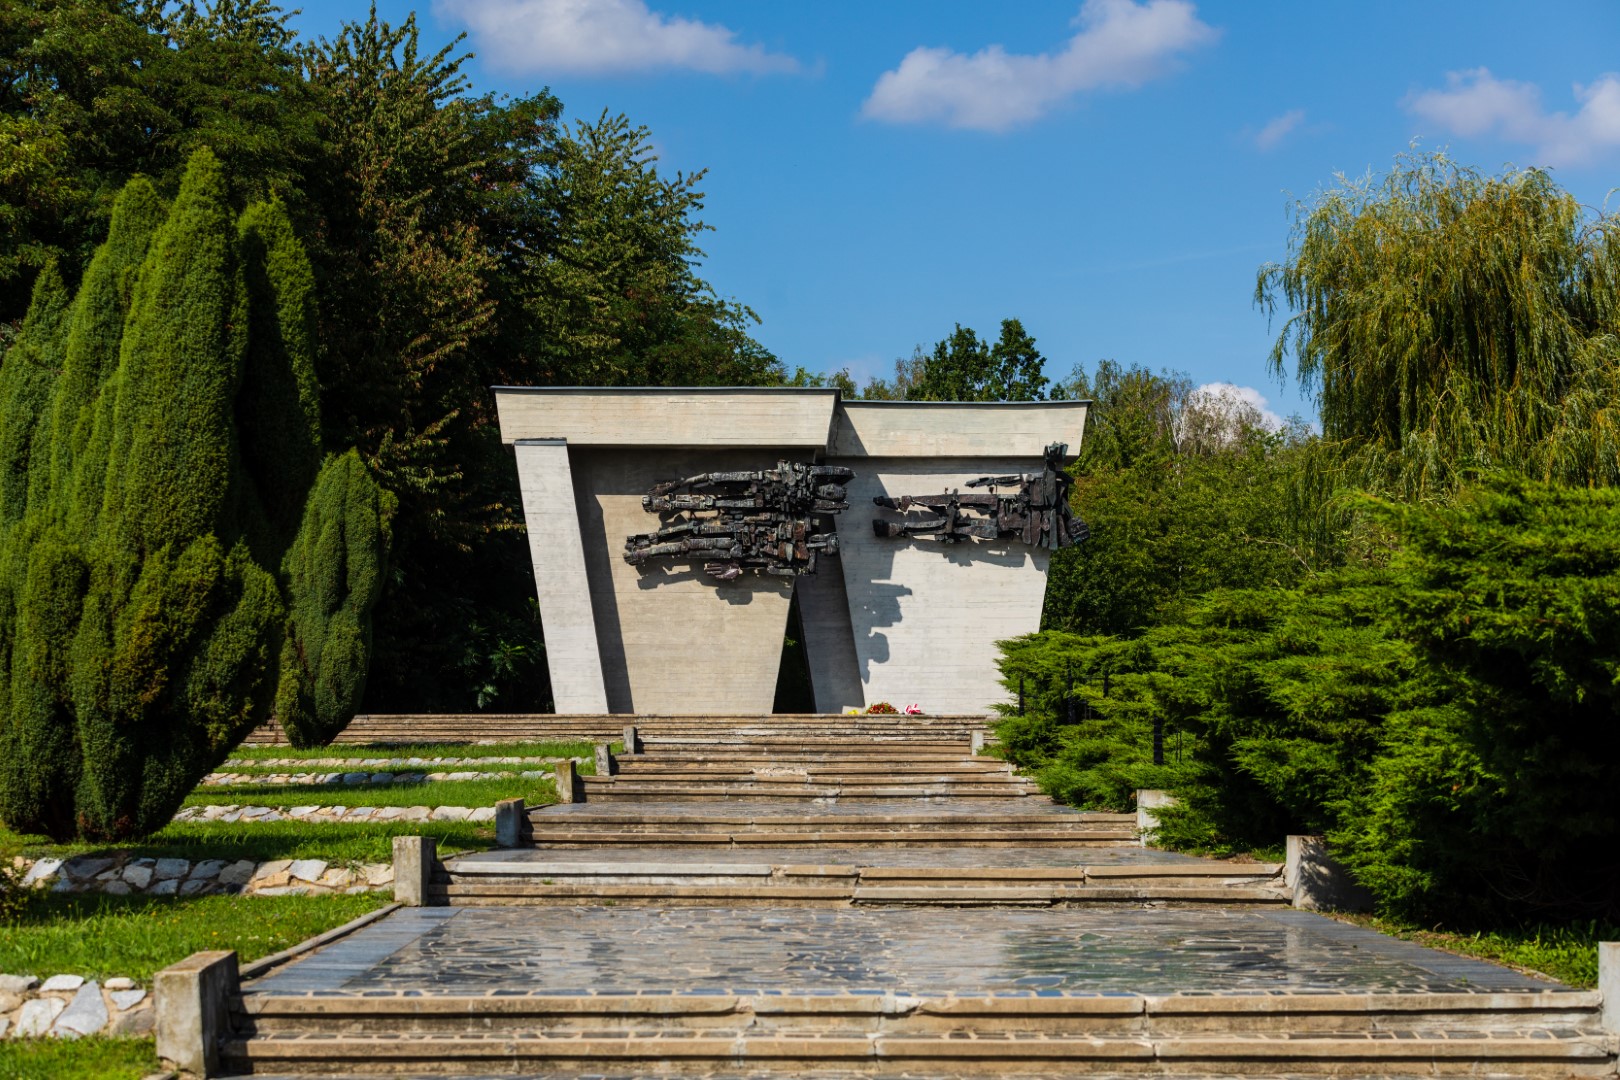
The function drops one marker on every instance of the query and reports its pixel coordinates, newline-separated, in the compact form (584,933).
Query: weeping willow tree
(1449,322)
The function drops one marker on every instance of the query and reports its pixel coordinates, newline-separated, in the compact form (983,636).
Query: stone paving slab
(920,952)
(941,855)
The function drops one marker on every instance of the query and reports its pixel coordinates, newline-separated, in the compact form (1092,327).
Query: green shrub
(146,497)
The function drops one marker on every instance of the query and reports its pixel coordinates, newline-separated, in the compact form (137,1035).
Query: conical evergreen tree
(334,577)
(36,751)
(145,496)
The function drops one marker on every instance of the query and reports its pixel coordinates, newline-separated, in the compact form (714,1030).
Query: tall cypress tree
(148,496)
(334,576)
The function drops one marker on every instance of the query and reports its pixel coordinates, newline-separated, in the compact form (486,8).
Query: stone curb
(71,1007)
(120,875)
(232,813)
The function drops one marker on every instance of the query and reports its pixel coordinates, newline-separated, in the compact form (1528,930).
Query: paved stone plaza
(698,915)
(911,951)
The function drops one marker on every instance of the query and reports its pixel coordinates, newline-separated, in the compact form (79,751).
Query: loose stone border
(219,779)
(232,813)
(71,1007)
(124,876)
(395,763)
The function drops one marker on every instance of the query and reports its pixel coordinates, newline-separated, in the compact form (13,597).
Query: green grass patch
(100,936)
(79,1059)
(333,841)
(374,751)
(474,793)
(482,767)
(1566,953)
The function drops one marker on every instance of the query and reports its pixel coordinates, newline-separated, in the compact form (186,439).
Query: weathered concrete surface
(567,782)
(926,616)
(572,654)
(917,429)
(657,416)
(673,639)
(193,1010)
(414,859)
(510,819)
(1318,881)
(1609,984)
(829,637)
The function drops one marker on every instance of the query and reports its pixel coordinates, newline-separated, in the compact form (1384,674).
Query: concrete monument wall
(899,619)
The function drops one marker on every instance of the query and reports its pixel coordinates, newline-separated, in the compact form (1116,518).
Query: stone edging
(70,1007)
(224,779)
(231,812)
(122,876)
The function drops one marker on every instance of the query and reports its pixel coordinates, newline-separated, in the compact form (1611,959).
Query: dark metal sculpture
(1036,510)
(759,520)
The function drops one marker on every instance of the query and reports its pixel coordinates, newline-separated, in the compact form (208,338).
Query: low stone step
(1548,1034)
(845,893)
(662,793)
(1118,1014)
(867,836)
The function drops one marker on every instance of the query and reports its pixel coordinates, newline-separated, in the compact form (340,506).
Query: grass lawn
(423,750)
(79,1059)
(353,765)
(537,791)
(1565,953)
(100,936)
(333,841)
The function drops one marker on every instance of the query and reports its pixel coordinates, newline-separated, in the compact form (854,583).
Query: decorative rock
(126,999)
(138,875)
(168,887)
(61,982)
(482,813)
(17,984)
(307,869)
(238,873)
(116,888)
(133,1023)
(207,870)
(382,778)
(379,874)
(37,1016)
(84,866)
(9,1001)
(86,1014)
(271,868)
(171,868)
(119,982)
(5,1022)
(194,886)
(40,871)
(417,813)
(450,813)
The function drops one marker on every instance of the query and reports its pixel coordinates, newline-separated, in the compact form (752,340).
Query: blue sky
(1111,172)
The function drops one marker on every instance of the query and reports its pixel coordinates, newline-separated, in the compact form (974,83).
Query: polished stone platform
(917,952)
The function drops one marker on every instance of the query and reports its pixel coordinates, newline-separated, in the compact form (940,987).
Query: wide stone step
(863,836)
(480,727)
(665,792)
(770,779)
(869,1034)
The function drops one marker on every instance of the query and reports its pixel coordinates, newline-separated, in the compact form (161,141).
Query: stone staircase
(894,1035)
(835,902)
(396,728)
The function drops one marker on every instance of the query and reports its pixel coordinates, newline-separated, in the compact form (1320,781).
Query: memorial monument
(915,534)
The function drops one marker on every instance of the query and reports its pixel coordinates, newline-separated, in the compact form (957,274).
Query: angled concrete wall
(674,639)
(900,620)
(926,616)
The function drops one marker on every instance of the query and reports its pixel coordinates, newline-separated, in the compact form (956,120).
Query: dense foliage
(1453,321)
(455,241)
(157,432)
(965,367)
(1425,675)
(1446,720)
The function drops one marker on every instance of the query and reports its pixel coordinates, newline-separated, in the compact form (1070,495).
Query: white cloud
(596,37)
(1238,401)
(1477,103)
(1278,128)
(1118,43)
